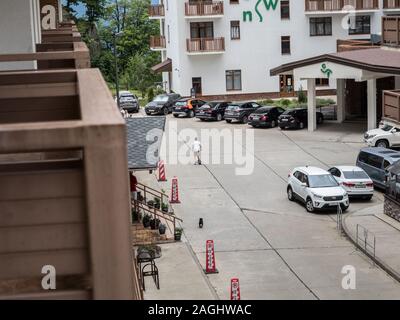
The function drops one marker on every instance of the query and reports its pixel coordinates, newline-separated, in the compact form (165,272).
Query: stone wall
(392,208)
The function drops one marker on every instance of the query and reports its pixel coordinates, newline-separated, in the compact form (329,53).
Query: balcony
(391,106)
(351,45)
(391,5)
(158,43)
(391,31)
(207,9)
(156,11)
(337,6)
(65,35)
(205,46)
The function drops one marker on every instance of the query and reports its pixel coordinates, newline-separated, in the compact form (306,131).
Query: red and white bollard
(174,191)
(210,258)
(235,289)
(161,171)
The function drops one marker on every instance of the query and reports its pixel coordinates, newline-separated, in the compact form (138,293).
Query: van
(375,162)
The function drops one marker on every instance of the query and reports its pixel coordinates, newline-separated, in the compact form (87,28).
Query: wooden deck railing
(391,4)
(206,8)
(157,42)
(338,5)
(156,10)
(350,45)
(391,31)
(205,45)
(391,105)
(51,36)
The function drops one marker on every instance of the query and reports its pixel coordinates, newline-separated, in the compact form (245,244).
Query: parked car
(375,162)
(212,111)
(265,117)
(187,107)
(128,101)
(354,180)
(240,111)
(386,136)
(162,104)
(317,189)
(297,119)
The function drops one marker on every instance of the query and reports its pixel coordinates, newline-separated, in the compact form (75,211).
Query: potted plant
(162,228)
(135,215)
(154,223)
(157,203)
(146,220)
(178,234)
(150,203)
(164,207)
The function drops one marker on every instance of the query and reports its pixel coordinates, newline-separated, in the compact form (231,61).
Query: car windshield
(161,99)
(355,175)
(262,110)
(386,127)
(322,181)
(127,96)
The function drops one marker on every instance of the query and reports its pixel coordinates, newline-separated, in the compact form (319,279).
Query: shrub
(150,94)
(301,96)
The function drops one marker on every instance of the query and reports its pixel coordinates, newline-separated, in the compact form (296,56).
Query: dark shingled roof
(142,133)
(379,60)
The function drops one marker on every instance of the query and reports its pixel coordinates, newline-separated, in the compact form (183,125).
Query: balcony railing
(51,36)
(210,8)
(158,42)
(391,105)
(156,10)
(350,45)
(391,4)
(391,31)
(338,5)
(205,45)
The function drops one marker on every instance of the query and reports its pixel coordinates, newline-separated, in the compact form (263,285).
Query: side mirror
(304,185)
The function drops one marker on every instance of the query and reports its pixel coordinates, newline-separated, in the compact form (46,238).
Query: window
(321,26)
(322,82)
(285,9)
(233,80)
(285,45)
(201,30)
(234,1)
(235,30)
(169,35)
(360,25)
(375,161)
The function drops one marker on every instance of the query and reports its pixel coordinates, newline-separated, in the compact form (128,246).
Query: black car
(129,102)
(265,117)
(297,119)
(240,111)
(187,107)
(162,104)
(212,111)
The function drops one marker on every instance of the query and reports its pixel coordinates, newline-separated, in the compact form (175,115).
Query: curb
(389,270)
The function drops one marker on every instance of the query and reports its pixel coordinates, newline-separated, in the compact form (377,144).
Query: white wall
(258,50)
(17,31)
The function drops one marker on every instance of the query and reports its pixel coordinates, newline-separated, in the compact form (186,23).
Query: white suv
(385,137)
(317,188)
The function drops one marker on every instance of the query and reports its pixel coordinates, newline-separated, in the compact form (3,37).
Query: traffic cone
(161,171)
(235,289)
(174,191)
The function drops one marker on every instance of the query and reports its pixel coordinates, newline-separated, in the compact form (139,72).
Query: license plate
(333,204)
(256,118)
(284,120)
(360,186)
(201,112)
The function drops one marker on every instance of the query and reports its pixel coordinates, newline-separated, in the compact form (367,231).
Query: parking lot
(275,248)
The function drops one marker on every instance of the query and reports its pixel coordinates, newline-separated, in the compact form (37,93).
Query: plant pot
(178,236)
(157,206)
(162,229)
(135,216)
(150,203)
(146,222)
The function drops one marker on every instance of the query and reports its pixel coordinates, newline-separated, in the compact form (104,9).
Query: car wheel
(344,209)
(228,121)
(290,194)
(165,111)
(245,119)
(148,113)
(309,205)
(176,116)
(203,120)
(219,117)
(191,114)
(382,144)
(301,125)
(273,124)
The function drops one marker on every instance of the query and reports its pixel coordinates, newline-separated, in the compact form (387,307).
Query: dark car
(297,119)
(240,111)
(129,102)
(187,107)
(212,111)
(265,117)
(162,104)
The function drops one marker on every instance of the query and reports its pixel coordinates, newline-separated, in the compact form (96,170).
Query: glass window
(374,161)
(360,25)
(322,181)
(233,80)
(355,175)
(321,26)
(235,30)
(285,44)
(285,9)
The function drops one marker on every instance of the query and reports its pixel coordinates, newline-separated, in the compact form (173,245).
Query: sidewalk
(387,235)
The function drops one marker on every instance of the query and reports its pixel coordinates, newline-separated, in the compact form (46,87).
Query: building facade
(226,48)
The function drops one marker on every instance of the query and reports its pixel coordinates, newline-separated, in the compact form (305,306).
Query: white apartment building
(226,49)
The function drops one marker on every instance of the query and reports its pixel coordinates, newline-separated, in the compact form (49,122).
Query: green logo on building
(325,70)
(268,4)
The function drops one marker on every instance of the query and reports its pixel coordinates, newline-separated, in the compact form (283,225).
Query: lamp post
(116,35)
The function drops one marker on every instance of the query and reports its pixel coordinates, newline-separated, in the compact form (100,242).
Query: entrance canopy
(165,66)
(359,65)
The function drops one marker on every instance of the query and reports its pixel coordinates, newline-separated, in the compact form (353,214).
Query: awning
(165,66)
(144,135)
(379,60)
